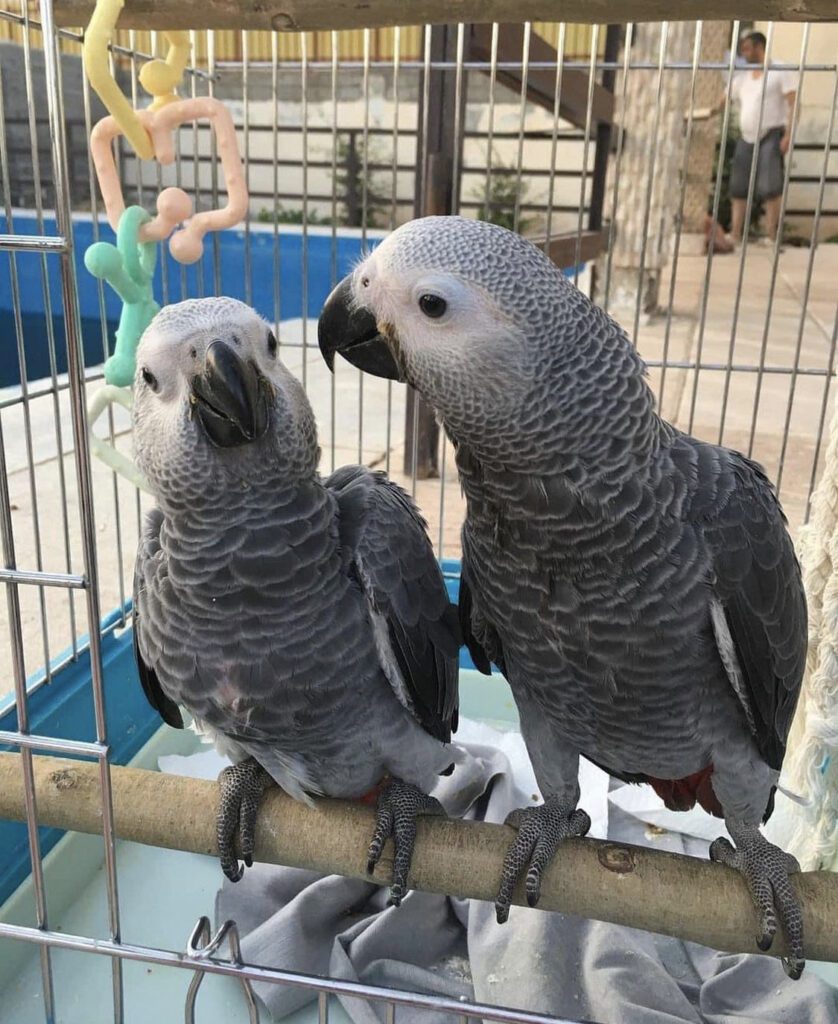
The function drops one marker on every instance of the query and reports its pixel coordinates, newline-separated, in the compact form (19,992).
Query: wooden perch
(630,885)
(306,15)
(562,250)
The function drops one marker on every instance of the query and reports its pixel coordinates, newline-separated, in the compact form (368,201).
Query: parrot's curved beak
(352,331)
(231,397)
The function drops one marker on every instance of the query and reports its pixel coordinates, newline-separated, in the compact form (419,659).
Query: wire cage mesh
(589,139)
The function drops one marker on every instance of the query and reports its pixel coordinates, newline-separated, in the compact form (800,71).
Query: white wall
(536,154)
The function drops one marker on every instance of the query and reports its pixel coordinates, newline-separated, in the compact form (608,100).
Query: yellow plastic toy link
(159,78)
(95,52)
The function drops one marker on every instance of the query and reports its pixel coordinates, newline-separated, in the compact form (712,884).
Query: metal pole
(75,373)
(439,148)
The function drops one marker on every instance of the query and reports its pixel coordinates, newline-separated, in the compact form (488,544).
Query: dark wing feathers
(759,584)
(480,638)
(386,549)
(478,647)
(169,711)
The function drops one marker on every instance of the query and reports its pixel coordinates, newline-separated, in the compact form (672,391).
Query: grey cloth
(770,167)
(542,962)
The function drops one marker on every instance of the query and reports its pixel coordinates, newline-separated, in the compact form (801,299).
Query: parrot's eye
(149,378)
(433,306)
(272,344)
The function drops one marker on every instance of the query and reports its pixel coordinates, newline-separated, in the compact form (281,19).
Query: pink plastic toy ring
(173,205)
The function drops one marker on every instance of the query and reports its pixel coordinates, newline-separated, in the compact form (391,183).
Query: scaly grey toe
(766,869)
(540,830)
(242,787)
(399,804)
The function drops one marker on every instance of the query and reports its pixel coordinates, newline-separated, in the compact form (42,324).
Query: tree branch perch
(662,892)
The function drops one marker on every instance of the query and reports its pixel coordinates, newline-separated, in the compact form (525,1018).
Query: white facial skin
(404,301)
(170,445)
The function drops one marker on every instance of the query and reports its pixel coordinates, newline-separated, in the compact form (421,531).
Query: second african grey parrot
(637,586)
(304,623)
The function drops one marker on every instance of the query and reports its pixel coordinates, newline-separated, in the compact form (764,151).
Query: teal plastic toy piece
(128,267)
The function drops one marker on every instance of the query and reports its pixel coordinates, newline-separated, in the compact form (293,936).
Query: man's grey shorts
(770,171)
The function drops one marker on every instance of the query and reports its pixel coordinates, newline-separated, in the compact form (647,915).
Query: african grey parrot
(637,587)
(304,623)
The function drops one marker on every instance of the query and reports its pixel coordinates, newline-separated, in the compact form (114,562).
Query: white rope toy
(812,762)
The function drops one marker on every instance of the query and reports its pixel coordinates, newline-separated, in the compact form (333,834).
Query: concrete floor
(742,408)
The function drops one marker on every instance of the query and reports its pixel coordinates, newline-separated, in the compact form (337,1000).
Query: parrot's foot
(242,787)
(399,805)
(766,869)
(540,830)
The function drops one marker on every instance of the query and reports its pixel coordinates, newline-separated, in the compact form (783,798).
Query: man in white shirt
(766,102)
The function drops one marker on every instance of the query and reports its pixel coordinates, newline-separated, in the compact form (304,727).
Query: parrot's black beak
(352,331)
(231,397)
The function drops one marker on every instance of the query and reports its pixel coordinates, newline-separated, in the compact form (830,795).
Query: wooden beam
(294,15)
(541,82)
(562,250)
(668,893)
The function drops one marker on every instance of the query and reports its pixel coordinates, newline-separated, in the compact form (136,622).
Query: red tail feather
(371,797)
(684,794)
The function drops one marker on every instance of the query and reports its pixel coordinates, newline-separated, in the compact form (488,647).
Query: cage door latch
(202,945)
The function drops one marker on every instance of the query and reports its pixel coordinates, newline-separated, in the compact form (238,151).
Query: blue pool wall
(327,258)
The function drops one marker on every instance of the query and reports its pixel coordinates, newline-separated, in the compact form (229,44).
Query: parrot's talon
(383,828)
(515,818)
(792,863)
(766,869)
(769,929)
(793,967)
(540,830)
(722,851)
(232,870)
(399,804)
(242,786)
